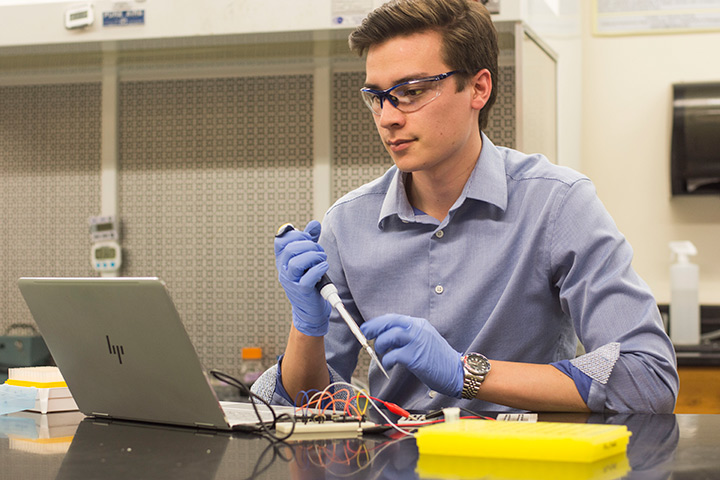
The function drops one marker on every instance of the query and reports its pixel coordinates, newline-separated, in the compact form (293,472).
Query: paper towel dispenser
(695,152)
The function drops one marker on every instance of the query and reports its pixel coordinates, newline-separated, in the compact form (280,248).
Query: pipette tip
(374,356)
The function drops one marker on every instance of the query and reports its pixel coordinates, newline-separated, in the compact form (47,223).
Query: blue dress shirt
(527,262)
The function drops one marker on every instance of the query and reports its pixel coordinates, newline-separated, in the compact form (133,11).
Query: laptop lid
(123,350)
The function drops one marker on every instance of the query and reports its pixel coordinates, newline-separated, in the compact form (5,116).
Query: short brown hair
(470,41)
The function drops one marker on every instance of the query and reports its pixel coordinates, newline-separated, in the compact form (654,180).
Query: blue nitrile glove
(414,343)
(301,262)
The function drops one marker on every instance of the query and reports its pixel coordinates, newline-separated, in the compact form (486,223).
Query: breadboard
(325,427)
(324,430)
(546,441)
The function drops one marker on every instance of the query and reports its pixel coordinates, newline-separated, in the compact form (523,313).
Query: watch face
(477,364)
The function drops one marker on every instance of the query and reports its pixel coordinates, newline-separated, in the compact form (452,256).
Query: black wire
(244,389)
(274,442)
(474,414)
(438,413)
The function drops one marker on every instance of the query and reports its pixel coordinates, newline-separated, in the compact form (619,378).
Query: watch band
(471,385)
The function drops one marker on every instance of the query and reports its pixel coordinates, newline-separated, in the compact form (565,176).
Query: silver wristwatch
(475,368)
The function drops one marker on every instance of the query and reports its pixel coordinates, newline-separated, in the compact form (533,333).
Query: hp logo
(115,349)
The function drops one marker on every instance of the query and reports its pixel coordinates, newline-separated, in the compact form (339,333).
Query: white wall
(558,23)
(626,126)
(40,22)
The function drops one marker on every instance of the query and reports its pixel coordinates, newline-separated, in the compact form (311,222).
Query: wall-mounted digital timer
(105,253)
(104,228)
(79,17)
(106,258)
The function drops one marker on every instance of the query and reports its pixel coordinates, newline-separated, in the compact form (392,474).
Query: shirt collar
(396,201)
(486,184)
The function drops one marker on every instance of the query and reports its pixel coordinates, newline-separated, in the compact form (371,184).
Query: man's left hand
(415,344)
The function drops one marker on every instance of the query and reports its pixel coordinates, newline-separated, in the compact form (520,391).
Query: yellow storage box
(546,441)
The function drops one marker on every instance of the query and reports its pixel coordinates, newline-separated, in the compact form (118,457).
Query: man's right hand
(301,262)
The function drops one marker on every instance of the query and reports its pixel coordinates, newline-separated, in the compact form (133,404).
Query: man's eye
(413,92)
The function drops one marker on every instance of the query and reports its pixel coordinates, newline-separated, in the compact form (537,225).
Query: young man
(474,267)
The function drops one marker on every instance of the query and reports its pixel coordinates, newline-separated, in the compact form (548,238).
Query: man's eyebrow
(398,81)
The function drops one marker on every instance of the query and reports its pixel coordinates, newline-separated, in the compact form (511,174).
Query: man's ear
(482,86)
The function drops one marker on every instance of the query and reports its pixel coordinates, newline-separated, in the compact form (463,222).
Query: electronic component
(106,257)
(105,253)
(79,17)
(104,228)
(518,417)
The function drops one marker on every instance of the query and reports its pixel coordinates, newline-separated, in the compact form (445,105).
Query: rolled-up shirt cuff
(593,366)
(280,396)
(599,363)
(279,388)
(582,381)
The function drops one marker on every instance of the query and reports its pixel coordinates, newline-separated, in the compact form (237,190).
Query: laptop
(122,348)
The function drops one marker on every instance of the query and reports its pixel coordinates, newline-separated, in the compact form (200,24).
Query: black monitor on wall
(695,155)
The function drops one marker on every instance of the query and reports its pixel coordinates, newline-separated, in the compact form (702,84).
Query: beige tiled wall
(49,185)
(210,166)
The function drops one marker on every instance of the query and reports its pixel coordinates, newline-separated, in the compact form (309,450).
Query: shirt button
(439,234)
(439,289)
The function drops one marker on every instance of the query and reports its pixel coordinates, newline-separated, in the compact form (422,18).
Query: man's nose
(390,115)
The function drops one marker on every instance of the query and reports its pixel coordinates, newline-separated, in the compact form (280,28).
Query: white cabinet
(525,113)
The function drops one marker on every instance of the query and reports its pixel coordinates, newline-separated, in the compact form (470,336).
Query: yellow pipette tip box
(545,441)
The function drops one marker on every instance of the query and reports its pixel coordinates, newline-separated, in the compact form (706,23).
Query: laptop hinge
(204,425)
(103,415)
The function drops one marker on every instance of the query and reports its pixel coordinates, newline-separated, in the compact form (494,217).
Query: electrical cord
(245,390)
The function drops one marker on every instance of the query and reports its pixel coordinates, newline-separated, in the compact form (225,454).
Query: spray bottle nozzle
(682,250)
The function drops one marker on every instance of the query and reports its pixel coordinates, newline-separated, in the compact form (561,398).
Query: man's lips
(398,145)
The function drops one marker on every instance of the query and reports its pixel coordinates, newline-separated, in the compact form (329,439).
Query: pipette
(330,293)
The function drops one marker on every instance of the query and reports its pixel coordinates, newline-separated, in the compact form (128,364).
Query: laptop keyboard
(241,413)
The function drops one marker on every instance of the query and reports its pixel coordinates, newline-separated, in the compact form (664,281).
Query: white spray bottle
(684,301)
